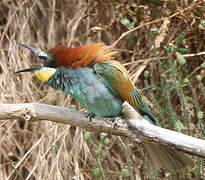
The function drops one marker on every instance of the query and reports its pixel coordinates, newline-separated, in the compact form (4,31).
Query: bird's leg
(113,121)
(90,116)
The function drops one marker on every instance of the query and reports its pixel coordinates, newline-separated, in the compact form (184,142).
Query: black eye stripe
(48,61)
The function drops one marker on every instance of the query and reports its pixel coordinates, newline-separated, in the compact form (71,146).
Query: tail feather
(167,158)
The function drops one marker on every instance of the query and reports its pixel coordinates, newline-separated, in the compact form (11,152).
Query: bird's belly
(101,106)
(89,90)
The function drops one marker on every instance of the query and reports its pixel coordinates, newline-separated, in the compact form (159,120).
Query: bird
(100,83)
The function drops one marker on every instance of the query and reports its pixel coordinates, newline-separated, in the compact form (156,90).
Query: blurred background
(173,84)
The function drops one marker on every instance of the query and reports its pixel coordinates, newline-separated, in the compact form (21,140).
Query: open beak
(36,52)
(42,73)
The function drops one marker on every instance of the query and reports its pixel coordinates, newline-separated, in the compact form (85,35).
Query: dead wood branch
(136,128)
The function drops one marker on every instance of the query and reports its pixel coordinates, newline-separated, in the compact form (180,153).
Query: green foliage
(125,173)
(55,149)
(198,78)
(180,39)
(203,24)
(125,21)
(203,65)
(146,74)
(180,58)
(107,141)
(97,173)
(87,136)
(102,136)
(154,32)
(200,115)
(73,107)
(97,153)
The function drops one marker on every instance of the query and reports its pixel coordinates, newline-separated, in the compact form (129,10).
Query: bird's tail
(167,158)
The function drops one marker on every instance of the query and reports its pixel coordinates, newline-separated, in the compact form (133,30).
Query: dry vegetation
(176,89)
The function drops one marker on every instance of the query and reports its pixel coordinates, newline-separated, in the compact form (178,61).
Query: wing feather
(116,76)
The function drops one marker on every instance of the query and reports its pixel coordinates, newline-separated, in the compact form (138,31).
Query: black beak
(29,70)
(37,52)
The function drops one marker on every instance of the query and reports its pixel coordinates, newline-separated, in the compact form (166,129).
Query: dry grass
(54,151)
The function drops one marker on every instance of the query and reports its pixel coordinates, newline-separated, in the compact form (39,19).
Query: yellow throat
(45,73)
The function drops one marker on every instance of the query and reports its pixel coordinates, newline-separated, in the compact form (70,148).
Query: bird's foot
(110,120)
(90,116)
(113,121)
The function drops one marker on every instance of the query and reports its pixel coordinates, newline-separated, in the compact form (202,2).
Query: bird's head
(49,64)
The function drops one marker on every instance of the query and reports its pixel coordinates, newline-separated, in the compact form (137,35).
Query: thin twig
(149,23)
(161,58)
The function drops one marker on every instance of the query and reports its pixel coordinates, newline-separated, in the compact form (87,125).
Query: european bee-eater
(101,84)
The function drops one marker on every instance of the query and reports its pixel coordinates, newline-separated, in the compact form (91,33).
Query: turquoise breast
(87,88)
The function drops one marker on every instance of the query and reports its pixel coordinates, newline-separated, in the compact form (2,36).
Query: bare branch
(148,132)
(133,128)
(40,112)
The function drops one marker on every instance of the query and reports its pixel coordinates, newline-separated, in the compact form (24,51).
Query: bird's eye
(45,60)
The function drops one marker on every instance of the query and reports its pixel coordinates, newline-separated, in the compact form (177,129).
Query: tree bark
(135,127)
